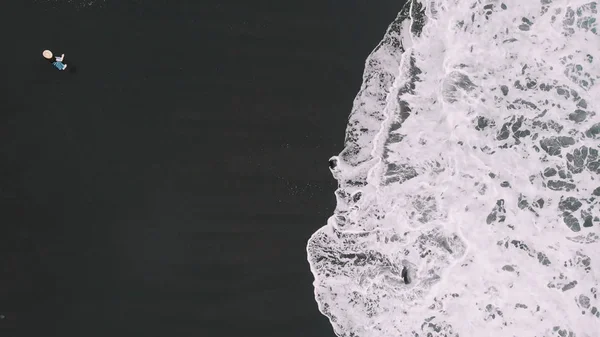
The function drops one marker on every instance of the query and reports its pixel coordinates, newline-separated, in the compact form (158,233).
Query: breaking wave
(468,200)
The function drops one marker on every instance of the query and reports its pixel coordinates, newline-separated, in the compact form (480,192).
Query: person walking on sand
(57,60)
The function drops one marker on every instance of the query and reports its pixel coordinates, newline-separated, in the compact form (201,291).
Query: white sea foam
(469,191)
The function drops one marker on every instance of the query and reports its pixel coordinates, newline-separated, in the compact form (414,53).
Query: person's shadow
(71,68)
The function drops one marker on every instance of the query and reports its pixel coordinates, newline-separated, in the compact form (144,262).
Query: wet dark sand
(169,185)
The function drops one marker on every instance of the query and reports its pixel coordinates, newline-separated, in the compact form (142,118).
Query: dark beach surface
(168,185)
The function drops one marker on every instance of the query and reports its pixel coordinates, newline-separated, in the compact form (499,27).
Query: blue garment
(59,65)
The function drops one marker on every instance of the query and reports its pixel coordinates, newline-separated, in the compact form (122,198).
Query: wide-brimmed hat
(47,54)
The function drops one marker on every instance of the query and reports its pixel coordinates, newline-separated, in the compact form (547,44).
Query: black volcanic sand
(168,186)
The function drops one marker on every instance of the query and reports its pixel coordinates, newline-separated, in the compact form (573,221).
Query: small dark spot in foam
(508,268)
(333,163)
(523,27)
(405,276)
(569,286)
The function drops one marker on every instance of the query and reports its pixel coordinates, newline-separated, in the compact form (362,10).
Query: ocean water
(469,185)
(79,4)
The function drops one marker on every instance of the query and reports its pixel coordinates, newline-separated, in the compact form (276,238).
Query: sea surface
(166,184)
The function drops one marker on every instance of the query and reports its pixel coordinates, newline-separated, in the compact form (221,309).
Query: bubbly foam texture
(469,185)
